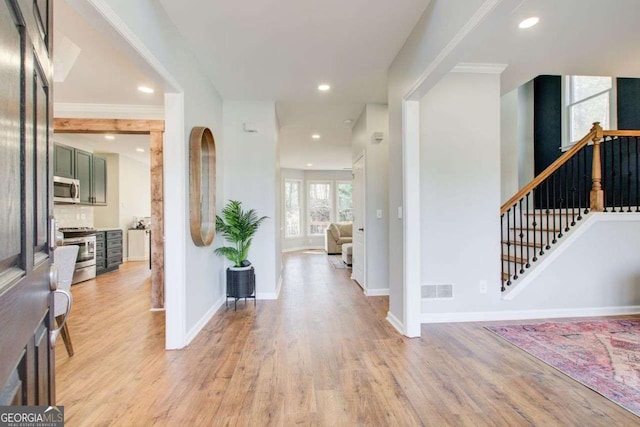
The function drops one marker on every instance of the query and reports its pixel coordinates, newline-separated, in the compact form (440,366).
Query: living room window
(292,208)
(588,99)
(344,201)
(319,206)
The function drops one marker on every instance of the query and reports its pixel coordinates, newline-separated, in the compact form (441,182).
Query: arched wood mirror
(202,186)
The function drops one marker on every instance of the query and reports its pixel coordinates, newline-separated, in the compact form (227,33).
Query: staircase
(600,173)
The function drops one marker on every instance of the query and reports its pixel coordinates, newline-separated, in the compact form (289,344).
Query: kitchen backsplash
(73,215)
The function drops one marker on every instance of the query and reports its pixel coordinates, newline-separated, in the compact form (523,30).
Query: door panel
(26,359)
(358,260)
(84,172)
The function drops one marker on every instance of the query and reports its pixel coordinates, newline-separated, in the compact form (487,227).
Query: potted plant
(238,228)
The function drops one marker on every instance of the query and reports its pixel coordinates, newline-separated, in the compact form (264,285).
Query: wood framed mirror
(202,186)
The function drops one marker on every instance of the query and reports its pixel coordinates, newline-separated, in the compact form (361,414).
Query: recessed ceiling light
(140,150)
(110,137)
(324,87)
(309,164)
(315,136)
(529,22)
(145,89)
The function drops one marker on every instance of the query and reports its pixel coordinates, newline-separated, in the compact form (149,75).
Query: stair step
(530,244)
(515,259)
(505,277)
(537,229)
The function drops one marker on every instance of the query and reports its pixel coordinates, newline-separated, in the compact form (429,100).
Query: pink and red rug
(603,355)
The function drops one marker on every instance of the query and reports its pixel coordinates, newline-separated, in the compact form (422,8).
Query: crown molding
(465,67)
(110,111)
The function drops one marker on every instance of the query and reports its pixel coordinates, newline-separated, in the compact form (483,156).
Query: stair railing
(601,172)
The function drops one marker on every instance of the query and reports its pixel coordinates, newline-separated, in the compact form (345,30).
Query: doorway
(359,259)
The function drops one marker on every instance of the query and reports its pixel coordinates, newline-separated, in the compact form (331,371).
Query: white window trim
(566,97)
(301,208)
(336,214)
(331,203)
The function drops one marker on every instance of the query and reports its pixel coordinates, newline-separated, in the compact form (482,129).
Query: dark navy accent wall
(547,121)
(628,103)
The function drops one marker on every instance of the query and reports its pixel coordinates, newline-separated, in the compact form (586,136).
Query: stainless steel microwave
(66,190)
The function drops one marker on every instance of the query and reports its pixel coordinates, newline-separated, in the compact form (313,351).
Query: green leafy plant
(237,227)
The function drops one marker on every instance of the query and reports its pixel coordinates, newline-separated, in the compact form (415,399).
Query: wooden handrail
(596,132)
(621,133)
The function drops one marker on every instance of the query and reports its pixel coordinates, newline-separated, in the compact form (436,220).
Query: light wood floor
(321,355)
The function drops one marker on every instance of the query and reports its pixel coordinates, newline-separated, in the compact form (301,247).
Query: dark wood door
(26,358)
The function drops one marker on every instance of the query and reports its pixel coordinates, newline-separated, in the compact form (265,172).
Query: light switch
(379,214)
(399,212)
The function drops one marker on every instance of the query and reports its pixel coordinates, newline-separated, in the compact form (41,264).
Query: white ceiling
(101,74)
(579,37)
(281,50)
(124,145)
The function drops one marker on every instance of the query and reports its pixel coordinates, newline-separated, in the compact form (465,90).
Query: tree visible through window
(589,101)
(292,207)
(345,201)
(319,205)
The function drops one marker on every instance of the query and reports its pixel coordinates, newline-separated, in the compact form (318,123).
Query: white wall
(250,177)
(460,184)
(194,285)
(135,195)
(525,134)
(437,26)
(304,176)
(374,118)
(587,278)
(508,145)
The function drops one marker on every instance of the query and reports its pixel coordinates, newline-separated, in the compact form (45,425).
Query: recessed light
(140,150)
(145,89)
(309,164)
(315,136)
(109,137)
(529,22)
(324,87)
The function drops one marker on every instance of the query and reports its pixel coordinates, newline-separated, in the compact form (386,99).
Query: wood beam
(157,221)
(117,126)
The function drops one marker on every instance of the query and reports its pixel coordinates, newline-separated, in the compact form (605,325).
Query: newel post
(597,195)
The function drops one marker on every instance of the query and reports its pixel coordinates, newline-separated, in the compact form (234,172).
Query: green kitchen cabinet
(84,174)
(64,161)
(99,180)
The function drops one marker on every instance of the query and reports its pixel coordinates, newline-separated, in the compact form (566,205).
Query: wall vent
(437,291)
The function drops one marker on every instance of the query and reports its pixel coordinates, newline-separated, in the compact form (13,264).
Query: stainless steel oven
(86,261)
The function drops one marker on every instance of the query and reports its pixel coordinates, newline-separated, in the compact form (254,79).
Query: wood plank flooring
(322,355)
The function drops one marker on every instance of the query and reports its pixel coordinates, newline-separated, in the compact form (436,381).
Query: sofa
(337,234)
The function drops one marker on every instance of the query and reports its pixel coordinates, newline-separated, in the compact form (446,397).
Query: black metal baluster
(586,183)
(515,249)
(628,163)
(508,249)
(613,177)
(573,193)
(547,226)
(553,212)
(522,231)
(534,231)
(620,177)
(502,288)
(581,153)
(637,175)
(565,170)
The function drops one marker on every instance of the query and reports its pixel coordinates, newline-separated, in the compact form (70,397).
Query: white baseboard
(203,321)
(395,322)
(303,248)
(376,292)
(485,316)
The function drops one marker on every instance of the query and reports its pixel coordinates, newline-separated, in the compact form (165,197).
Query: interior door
(26,358)
(358,260)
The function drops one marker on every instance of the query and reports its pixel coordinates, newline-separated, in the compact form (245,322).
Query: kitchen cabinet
(84,174)
(89,169)
(108,250)
(64,161)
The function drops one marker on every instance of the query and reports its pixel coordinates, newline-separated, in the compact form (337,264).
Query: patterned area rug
(336,261)
(603,355)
